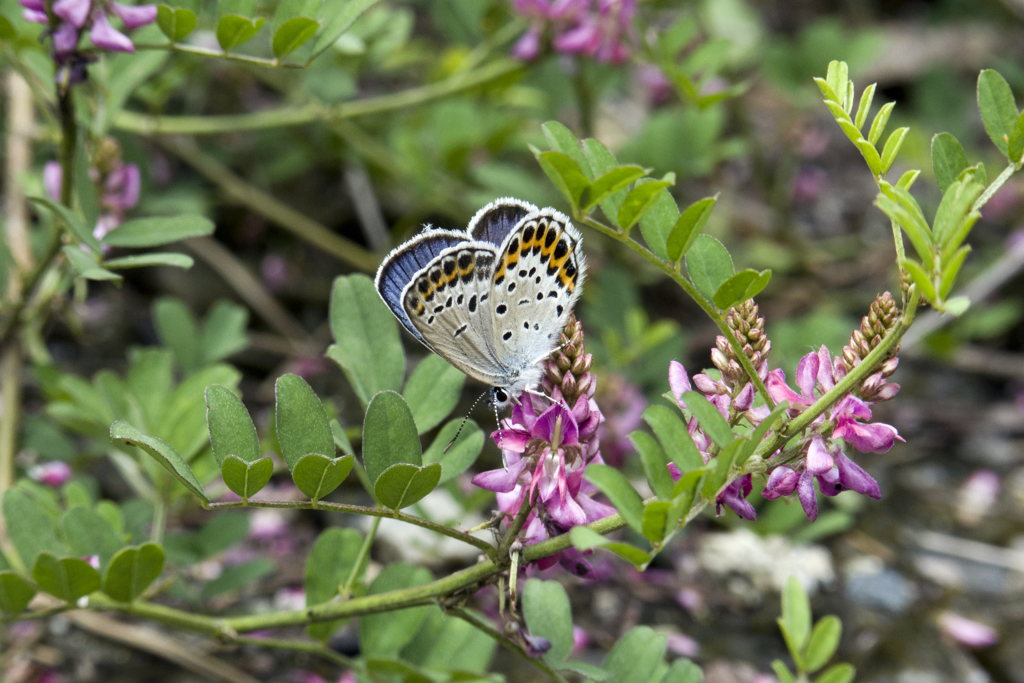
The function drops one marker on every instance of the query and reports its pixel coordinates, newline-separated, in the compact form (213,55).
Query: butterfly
(492,299)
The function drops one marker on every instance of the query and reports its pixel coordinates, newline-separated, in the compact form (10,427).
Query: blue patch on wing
(495,221)
(401,266)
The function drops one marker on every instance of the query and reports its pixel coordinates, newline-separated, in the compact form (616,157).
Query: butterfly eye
(500,395)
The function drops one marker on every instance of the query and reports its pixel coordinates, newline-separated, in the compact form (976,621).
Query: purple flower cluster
(546,451)
(820,458)
(119,185)
(594,28)
(72,18)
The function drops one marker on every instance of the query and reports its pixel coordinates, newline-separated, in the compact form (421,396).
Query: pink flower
(122,188)
(134,16)
(781,482)
(65,39)
(528,45)
(735,498)
(105,36)
(52,175)
(966,631)
(53,473)
(75,12)
(867,438)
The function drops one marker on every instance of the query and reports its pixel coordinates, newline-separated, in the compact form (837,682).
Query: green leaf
(683,671)
(565,174)
(892,148)
(636,656)
(402,485)
(948,159)
(246,478)
(162,452)
(585,538)
(237,577)
(461,454)
(709,419)
(654,462)
(562,140)
(635,205)
(549,615)
(232,431)
(879,123)
(998,108)
(317,475)
(183,420)
(602,161)
(907,179)
(132,570)
(709,265)
(589,671)
(328,566)
(151,259)
(233,30)
(433,391)
(223,332)
(342,14)
(957,306)
(292,35)
(796,613)
(1015,149)
(389,435)
(30,528)
(367,346)
(864,106)
(88,533)
(827,92)
(301,421)
(72,220)
(920,278)
(744,285)
(655,520)
(7,32)
(870,154)
(15,593)
(155,231)
(176,329)
(659,218)
(87,265)
(762,429)
(175,23)
(823,643)
(67,578)
(610,183)
(620,492)
(838,78)
(688,227)
(782,671)
(840,673)
(386,633)
(952,269)
(674,438)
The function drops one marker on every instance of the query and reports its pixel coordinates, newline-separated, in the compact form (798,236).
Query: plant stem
(69,131)
(514,527)
(362,510)
(507,643)
(10,415)
(584,98)
(272,208)
(361,559)
(156,535)
(143,124)
(705,305)
(218,54)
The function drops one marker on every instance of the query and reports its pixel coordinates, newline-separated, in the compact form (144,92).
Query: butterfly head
(500,398)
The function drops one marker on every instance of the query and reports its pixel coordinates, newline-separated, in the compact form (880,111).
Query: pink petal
(510,439)
(528,46)
(780,391)
(75,12)
(500,480)
(967,631)
(706,385)
(550,419)
(808,498)
(781,482)
(52,179)
(585,38)
(853,407)
(828,483)
(745,398)
(679,381)
(135,16)
(566,511)
(867,438)
(825,368)
(34,16)
(854,478)
(105,36)
(594,509)
(807,374)
(819,460)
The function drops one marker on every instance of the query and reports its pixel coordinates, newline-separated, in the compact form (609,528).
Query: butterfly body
(490,300)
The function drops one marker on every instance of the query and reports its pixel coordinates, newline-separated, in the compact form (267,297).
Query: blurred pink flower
(973,634)
(54,473)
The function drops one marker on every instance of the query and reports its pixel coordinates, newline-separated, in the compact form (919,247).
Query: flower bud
(781,482)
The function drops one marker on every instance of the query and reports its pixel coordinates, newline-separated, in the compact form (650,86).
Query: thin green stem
(219,54)
(507,643)
(584,98)
(134,122)
(159,520)
(361,559)
(365,511)
(69,126)
(705,305)
(514,528)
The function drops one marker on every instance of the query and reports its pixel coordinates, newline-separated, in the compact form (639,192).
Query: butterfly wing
(402,265)
(495,221)
(536,282)
(447,302)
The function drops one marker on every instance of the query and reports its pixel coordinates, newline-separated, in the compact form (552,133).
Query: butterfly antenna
(471,408)
(501,437)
